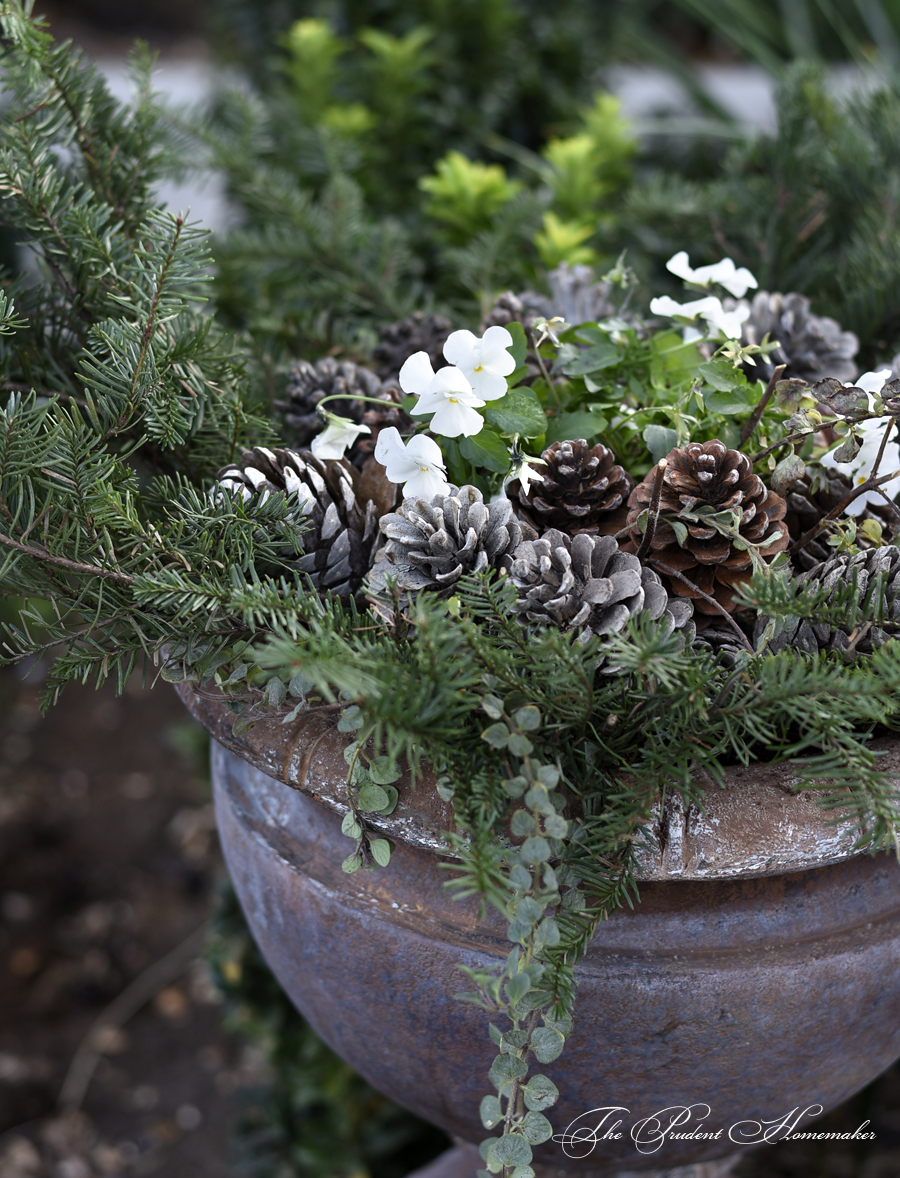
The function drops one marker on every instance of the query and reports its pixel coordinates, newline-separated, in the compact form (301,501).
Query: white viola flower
(871,434)
(451,399)
(686,311)
(419,464)
(710,309)
(485,362)
(736,281)
(338,436)
(523,470)
(730,323)
(416,374)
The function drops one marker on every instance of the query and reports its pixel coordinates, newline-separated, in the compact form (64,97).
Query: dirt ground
(108,861)
(108,869)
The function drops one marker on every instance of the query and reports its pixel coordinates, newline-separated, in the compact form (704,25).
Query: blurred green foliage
(814,207)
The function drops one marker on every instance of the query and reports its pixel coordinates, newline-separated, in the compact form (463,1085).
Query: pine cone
(526,307)
(308,384)
(589,585)
(430,545)
(838,571)
(341,529)
(581,491)
(577,296)
(809,499)
(417,333)
(708,475)
(812,346)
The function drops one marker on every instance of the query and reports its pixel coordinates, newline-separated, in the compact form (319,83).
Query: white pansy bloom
(419,464)
(485,362)
(339,434)
(736,281)
(524,471)
(453,402)
(871,434)
(709,308)
(671,309)
(416,374)
(730,323)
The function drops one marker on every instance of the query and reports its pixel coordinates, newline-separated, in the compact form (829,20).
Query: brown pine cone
(581,491)
(340,525)
(416,333)
(810,498)
(708,475)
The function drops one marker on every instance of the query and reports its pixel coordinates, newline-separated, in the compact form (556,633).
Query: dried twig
(760,409)
(653,510)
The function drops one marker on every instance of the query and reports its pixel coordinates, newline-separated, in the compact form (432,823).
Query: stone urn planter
(759,974)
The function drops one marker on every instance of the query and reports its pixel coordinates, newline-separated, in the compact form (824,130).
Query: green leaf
(381,853)
(523,1172)
(593,359)
(244,723)
(535,850)
(527,718)
(384,770)
(660,440)
(519,349)
(372,797)
(511,1150)
(493,706)
(517,987)
(521,824)
(723,375)
(352,863)
(732,402)
(535,1128)
(300,686)
(507,1068)
(555,826)
(569,426)
(275,692)
(548,933)
(237,674)
(540,1093)
(496,736)
(350,826)
(350,720)
(491,1112)
(519,412)
(488,450)
(519,745)
(547,1044)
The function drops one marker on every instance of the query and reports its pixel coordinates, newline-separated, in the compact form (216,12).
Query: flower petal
(679,265)
(462,349)
(489,385)
(455,418)
(416,374)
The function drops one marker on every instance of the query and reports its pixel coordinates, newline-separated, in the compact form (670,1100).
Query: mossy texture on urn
(708,476)
(431,544)
(341,530)
(581,487)
(834,574)
(589,585)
